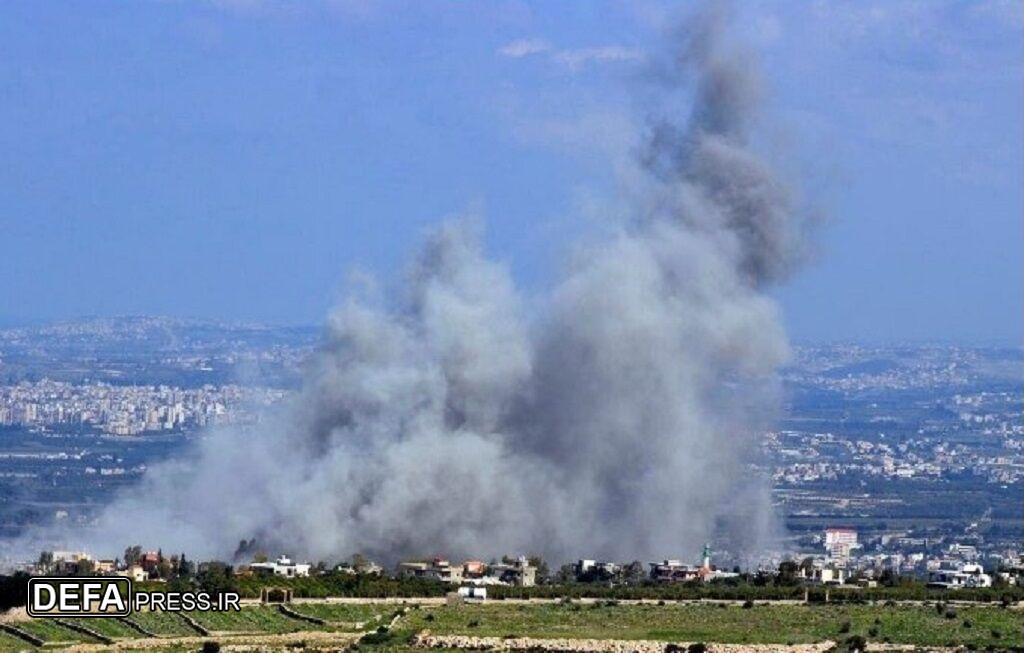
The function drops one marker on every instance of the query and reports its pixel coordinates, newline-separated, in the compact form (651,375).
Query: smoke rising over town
(617,420)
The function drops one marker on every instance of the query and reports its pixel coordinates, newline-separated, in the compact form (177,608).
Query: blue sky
(237,159)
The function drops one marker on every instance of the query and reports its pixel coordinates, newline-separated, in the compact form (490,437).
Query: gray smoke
(618,422)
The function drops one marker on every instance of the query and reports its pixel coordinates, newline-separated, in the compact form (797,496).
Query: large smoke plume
(617,421)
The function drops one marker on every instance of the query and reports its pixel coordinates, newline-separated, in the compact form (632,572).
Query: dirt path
(426,640)
(232,641)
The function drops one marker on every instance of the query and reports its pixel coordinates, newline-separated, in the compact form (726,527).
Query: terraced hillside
(520,625)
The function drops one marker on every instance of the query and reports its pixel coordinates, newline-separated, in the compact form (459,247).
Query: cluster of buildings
(673,571)
(131,409)
(839,563)
(664,571)
(517,572)
(850,368)
(72,563)
(799,458)
(953,566)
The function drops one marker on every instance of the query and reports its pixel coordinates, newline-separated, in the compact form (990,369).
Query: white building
(473,593)
(283,566)
(840,541)
(954,576)
(824,574)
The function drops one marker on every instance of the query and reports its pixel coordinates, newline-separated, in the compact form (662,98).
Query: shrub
(967,623)
(697,647)
(950,614)
(856,643)
(673,648)
(211,646)
(873,631)
(473,624)
(429,617)
(375,638)
(996,634)
(844,627)
(748,604)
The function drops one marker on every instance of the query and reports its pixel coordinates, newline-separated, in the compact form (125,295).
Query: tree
(217,577)
(13,590)
(164,568)
(889,578)
(45,561)
(541,566)
(788,573)
(633,573)
(184,567)
(566,574)
(85,567)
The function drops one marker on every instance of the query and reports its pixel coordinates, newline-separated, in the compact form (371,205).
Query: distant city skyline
(238,160)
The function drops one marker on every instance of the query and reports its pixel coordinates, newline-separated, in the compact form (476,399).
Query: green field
(768,624)
(972,627)
(12,643)
(50,631)
(347,612)
(108,627)
(254,619)
(162,623)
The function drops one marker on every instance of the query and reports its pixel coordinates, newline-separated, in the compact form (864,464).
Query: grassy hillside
(780,624)
(972,627)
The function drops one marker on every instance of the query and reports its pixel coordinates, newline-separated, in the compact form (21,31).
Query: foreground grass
(50,631)
(162,623)
(766,624)
(345,612)
(923,626)
(12,643)
(255,619)
(108,627)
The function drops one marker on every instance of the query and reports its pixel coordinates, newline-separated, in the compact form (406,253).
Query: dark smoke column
(618,423)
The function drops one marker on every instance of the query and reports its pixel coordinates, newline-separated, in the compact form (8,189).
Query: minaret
(707,556)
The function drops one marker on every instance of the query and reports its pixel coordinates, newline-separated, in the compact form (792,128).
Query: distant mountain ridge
(156,331)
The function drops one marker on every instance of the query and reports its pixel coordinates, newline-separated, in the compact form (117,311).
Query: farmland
(162,623)
(916,625)
(346,613)
(762,624)
(255,619)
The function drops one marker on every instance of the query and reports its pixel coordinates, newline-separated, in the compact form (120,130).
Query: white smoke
(618,423)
